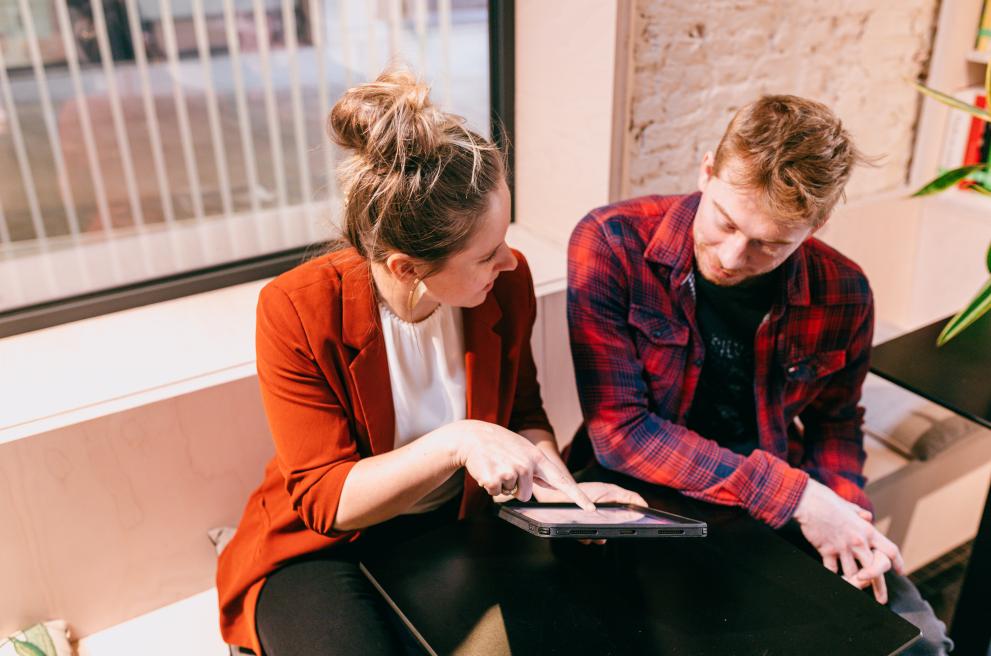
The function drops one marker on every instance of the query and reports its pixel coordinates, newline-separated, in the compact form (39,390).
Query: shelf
(211,343)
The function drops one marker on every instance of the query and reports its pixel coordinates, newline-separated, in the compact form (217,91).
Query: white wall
(565,61)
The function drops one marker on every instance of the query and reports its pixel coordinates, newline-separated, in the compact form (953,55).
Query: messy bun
(417,178)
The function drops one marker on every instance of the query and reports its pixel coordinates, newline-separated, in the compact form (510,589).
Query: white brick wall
(695,62)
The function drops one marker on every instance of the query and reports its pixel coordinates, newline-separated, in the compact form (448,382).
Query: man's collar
(673,245)
(796,272)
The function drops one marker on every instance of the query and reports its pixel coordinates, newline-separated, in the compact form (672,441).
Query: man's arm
(833,435)
(626,434)
(831,511)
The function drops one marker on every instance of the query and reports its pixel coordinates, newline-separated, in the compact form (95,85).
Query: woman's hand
(505,463)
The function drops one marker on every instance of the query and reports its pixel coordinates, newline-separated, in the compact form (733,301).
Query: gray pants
(904,599)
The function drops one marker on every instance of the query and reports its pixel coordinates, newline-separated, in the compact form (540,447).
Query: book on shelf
(967,139)
(978,140)
(983,43)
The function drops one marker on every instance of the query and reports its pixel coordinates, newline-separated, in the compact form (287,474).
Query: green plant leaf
(977,307)
(24,648)
(949,178)
(38,635)
(989,258)
(980,189)
(947,99)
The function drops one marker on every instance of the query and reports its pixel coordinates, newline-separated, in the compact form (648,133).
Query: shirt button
(698,362)
(656,333)
(792,369)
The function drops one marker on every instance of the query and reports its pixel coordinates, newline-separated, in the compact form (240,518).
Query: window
(154,148)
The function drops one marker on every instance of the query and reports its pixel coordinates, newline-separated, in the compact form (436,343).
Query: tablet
(608,520)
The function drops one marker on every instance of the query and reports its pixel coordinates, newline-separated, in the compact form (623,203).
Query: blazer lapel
(370,367)
(483,360)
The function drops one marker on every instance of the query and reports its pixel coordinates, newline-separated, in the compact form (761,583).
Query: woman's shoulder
(313,291)
(318,275)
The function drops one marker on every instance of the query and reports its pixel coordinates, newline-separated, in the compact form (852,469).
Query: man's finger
(829,562)
(637,500)
(620,495)
(848,564)
(564,483)
(880,542)
(857,582)
(872,561)
(880,589)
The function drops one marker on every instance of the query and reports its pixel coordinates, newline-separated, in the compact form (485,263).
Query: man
(720,350)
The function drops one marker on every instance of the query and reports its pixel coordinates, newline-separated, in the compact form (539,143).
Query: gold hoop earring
(415,294)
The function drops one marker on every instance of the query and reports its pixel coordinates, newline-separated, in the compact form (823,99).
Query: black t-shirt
(724,408)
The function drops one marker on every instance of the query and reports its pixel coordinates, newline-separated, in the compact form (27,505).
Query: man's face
(735,238)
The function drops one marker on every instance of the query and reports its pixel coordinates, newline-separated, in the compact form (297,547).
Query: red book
(975,141)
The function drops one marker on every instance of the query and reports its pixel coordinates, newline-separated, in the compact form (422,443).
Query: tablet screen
(601,515)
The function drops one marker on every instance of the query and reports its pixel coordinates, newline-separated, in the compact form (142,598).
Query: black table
(956,376)
(484,587)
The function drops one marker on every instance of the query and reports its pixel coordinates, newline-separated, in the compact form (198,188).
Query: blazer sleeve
(528,408)
(314,447)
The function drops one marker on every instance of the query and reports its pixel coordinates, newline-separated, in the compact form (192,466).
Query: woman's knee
(323,607)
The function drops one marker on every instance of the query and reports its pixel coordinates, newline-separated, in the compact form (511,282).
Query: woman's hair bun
(390,120)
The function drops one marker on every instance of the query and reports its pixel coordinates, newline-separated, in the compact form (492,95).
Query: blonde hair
(417,179)
(795,151)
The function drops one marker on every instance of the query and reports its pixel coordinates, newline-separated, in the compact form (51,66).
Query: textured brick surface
(696,62)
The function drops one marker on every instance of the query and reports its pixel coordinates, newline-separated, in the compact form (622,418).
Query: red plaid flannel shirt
(638,354)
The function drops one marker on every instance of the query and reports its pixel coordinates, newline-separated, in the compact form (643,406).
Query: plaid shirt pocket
(804,375)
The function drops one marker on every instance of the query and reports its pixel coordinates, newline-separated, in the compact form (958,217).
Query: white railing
(148,137)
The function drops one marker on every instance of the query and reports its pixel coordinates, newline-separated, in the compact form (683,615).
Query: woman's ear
(402,267)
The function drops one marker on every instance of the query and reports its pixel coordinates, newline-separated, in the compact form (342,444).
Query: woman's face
(468,276)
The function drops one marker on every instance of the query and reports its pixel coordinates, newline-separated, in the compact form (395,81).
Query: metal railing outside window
(144,139)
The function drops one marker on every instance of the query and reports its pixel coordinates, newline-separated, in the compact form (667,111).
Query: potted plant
(981,302)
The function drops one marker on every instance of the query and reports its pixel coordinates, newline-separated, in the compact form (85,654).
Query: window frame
(501,17)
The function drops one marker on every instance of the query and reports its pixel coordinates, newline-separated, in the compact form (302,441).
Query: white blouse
(427,376)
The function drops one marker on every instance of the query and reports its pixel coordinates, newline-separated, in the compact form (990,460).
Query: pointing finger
(565,484)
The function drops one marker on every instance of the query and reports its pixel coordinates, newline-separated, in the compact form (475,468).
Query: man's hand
(843,535)
(595,491)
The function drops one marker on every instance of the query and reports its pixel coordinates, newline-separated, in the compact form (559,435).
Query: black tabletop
(956,375)
(483,586)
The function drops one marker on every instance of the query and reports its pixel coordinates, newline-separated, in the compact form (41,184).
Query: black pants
(322,605)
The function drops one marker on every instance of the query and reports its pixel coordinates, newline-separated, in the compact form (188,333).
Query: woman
(397,378)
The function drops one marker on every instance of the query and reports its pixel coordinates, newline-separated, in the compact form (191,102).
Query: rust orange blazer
(324,381)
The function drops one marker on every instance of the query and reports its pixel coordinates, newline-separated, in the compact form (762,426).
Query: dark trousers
(323,605)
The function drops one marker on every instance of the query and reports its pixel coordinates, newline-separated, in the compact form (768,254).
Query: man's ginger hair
(794,151)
